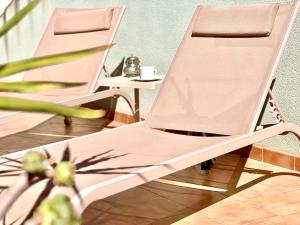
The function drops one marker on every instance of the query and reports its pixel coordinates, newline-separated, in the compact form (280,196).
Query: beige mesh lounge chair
(220,90)
(93,27)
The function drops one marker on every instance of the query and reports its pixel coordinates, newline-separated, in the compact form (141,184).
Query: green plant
(58,209)
(11,68)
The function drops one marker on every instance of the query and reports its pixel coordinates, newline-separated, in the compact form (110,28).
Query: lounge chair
(62,36)
(217,84)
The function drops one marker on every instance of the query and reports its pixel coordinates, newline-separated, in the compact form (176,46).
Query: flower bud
(33,162)
(64,174)
(57,210)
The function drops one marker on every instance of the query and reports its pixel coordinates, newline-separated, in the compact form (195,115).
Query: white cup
(147,72)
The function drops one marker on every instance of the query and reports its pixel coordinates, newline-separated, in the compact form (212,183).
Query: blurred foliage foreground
(56,210)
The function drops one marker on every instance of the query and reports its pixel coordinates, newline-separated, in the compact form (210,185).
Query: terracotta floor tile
(144,203)
(234,212)
(292,219)
(256,153)
(254,170)
(173,218)
(297,163)
(230,159)
(198,200)
(115,219)
(246,178)
(275,200)
(269,187)
(157,203)
(45,133)
(283,182)
(101,205)
(281,204)
(196,219)
(164,190)
(265,166)
(89,215)
(168,190)
(280,159)
(222,175)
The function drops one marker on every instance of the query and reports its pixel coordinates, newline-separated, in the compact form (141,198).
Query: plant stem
(33,221)
(13,192)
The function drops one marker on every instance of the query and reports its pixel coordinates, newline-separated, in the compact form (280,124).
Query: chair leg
(206,165)
(68,120)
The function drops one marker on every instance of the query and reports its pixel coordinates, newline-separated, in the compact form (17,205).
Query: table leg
(137,104)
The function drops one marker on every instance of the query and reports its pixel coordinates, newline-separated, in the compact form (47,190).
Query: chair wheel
(68,120)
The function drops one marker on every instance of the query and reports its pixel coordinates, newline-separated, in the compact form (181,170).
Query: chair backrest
(83,70)
(219,84)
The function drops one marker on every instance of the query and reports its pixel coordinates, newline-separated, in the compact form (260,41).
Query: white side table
(122,81)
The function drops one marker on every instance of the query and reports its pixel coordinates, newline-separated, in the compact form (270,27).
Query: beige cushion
(235,21)
(83,20)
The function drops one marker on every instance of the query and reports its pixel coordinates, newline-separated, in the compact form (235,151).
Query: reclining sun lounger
(68,30)
(220,90)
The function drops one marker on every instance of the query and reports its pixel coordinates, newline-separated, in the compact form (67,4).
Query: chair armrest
(101,95)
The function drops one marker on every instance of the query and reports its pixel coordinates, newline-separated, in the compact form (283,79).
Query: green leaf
(33,63)
(17,104)
(17,17)
(34,86)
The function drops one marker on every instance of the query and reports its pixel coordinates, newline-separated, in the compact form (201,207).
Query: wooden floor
(53,130)
(236,191)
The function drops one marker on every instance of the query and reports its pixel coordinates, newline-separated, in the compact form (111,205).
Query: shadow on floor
(187,192)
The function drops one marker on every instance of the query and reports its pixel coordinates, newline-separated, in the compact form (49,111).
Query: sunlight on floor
(236,191)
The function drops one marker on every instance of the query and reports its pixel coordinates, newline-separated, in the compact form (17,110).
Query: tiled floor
(53,130)
(236,191)
(245,192)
